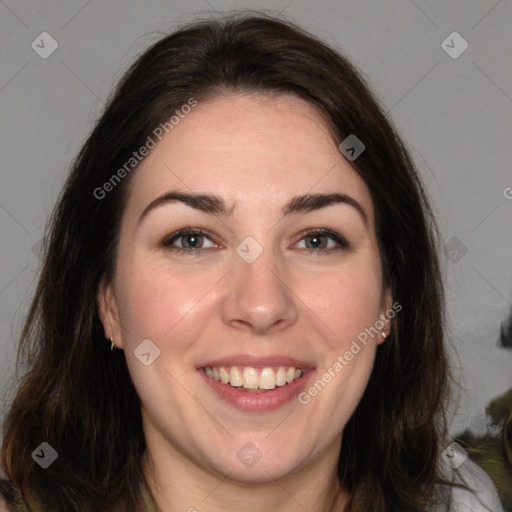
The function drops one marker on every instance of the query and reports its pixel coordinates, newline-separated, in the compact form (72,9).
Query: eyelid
(334,235)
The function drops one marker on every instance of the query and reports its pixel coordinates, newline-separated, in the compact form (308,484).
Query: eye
(192,240)
(319,241)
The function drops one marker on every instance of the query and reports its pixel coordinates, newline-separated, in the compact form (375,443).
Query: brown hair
(78,395)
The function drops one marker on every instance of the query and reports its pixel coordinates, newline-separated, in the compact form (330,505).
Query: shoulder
(482,498)
(10,498)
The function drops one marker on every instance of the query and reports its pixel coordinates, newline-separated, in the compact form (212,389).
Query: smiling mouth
(254,380)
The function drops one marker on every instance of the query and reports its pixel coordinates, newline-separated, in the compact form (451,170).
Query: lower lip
(257,402)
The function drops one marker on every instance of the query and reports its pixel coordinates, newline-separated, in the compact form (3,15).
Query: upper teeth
(254,378)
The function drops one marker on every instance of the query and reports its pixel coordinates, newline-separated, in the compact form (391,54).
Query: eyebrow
(213,204)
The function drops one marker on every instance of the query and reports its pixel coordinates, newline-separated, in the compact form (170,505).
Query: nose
(260,298)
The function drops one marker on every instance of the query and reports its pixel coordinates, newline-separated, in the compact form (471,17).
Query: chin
(252,465)
(260,473)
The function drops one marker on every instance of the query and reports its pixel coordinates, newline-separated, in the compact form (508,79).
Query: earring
(383,335)
(112,347)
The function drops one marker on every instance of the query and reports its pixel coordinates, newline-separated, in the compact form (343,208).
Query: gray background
(454,113)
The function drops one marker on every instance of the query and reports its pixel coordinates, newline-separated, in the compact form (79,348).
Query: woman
(248,232)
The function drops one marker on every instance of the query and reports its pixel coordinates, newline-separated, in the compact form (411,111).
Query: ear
(108,312)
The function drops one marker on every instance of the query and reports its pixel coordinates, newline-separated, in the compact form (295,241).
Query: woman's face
(253,293)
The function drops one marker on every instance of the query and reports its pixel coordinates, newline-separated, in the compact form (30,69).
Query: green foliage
(500,408)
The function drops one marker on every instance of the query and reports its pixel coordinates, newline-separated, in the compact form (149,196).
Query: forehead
(257,151)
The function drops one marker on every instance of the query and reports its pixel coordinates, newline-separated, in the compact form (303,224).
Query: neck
(177,483)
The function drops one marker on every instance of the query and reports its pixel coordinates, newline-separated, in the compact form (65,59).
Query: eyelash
(167,241)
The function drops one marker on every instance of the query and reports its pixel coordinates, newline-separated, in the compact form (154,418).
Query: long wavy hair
(78,396)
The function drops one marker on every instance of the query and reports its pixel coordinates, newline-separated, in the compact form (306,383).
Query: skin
(257,152)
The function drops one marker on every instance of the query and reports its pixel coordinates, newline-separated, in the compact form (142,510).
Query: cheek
(160,303)
(347,305)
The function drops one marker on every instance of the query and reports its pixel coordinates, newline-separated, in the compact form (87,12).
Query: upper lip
(257,362)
